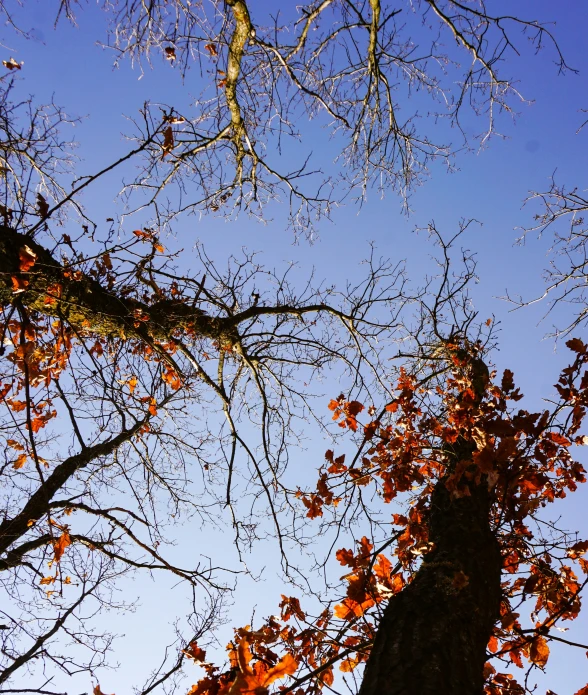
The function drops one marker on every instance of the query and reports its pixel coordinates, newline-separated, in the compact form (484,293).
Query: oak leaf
(539,651)
(20,461)
(27,258)
(193,651)
(61,544)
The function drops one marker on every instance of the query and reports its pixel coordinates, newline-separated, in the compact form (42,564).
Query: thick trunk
(433,636)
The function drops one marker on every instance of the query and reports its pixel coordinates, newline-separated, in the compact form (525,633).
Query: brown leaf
(97,690)
(27,259)
(42,206)
(11,64)
(170,53)
(539,651)
(168,140)
(211,48)
(193,651)
(20,461)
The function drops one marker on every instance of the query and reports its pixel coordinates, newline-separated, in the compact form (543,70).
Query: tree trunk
(433,636)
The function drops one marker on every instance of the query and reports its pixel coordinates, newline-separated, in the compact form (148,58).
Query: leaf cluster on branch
(140,391)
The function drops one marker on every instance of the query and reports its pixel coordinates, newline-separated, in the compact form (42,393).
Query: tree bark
(88,307)
(433,636)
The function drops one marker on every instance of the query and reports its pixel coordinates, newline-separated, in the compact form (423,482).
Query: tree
(391,83)
(474,577)
(121,373)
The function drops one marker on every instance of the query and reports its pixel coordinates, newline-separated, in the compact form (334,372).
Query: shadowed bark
(433,636)
(432,639)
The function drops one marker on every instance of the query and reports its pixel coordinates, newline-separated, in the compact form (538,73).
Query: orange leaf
(19,284)
(539,651)
(15,445)
(61,544)
(195,652)
(493,645)
(152,407)
(286,666)
(20,461)
(582,691)
(327,676)
(97,690)
(27,259)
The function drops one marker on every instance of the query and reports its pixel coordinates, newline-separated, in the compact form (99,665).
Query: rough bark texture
(89,307)
(433,636)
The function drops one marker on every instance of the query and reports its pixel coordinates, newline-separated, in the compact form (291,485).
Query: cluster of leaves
(525,461)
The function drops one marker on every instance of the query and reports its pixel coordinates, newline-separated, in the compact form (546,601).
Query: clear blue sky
(489,185)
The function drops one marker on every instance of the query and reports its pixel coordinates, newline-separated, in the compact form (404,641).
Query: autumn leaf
(348,665)
(257,678)
(211,48)
(11,64)
(170,53)
(42,206)
(168,140)
(18,284)
(97,690)
(582,691)
(170,376)
(46,581)
(291,606)
(37,423)
(61,544)
(193,651)
(507,381)
(20,461)
(489,670)
(327,676)
(576,345)
(27,259)
(578,549)
(153,407)
(286,666)
(539,651)
(15,445)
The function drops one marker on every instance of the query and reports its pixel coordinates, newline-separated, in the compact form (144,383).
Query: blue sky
(489,185)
